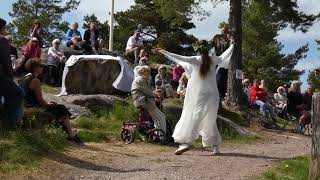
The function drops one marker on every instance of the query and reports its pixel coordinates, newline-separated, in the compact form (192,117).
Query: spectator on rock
(13,52)
(280,98)
(55,63)
(163,81)
(36,31)
(307,105)
(144,97)
(298,106)
(183,82)
(91,37)
(33,98)
(134,45)
(9,90)
(246,91)
(143,53)
(74,38)
(260,97)
(32,50)
(263,85)
(176,75)
(142,62)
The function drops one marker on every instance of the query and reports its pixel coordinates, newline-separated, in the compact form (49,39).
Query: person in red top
(176,75)
(32,50)
(259,96)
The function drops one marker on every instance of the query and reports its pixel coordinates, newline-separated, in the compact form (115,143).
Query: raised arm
(178,58)
(225,57)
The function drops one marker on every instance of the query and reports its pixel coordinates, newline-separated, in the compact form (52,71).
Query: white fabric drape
(123,81)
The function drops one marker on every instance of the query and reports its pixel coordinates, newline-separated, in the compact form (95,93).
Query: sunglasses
(35,41)
(57,43)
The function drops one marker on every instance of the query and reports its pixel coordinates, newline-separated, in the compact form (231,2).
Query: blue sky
(207,28)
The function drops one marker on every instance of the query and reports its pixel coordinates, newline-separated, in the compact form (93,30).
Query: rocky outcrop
(92,77)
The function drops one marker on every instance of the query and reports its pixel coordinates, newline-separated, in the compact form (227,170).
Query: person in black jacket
(91,37)
(12,93)
(13,52)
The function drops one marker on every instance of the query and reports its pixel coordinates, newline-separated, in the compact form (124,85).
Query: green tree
(314,79)
(262,57)
(48,12)
(103,27)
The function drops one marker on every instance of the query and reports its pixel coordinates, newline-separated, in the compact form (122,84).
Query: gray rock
(92,77)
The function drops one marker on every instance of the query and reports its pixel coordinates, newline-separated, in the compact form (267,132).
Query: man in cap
(134,45)
(12,93)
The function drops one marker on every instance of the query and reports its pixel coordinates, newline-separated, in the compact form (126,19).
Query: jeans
(265,107)
(13,98)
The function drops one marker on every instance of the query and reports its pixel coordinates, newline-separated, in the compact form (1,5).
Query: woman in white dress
(201,102)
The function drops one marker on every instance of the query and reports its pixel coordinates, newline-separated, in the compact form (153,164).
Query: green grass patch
(293,169)
(107,124)
(22,148)
(50,90)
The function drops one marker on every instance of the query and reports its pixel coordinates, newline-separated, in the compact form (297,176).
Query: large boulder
(92,77)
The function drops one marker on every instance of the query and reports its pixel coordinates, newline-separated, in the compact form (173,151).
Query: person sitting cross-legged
(259,96)
(33,98)
(74,38)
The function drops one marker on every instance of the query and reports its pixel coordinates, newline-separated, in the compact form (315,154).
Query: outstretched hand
(155,50)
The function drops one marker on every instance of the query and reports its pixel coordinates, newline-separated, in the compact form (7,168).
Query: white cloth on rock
(201,102)
(123,81)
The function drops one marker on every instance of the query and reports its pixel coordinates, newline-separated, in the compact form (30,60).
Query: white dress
(201,102)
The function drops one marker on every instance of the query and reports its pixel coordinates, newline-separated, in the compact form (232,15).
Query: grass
(107,124)
(293,169)
(23,148)
(50,90)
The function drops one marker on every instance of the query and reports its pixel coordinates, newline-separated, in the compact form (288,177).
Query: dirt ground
(142,161)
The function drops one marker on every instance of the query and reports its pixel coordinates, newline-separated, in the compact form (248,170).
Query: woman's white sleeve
(178,58)
(225,58)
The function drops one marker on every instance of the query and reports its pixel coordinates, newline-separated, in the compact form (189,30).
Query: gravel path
(145,161)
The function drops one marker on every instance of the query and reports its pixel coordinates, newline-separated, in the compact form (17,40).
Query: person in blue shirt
(74,38)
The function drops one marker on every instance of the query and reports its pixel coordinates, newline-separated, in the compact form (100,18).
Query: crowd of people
(207,75)
(288,103)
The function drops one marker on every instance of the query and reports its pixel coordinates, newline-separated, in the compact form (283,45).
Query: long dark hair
(203,48)
(206,63)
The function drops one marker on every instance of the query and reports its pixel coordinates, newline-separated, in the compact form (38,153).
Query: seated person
(246,91)
(163,81)
(183,82)
(307,103)
(176,75)
(142,62)
(134,45)
(33,98)
(74,38)
(144,97)
(280,98)
(13,52)
(295,104)
(32,50)
(260,97)
(91,37)
(37,31)
(56,60)
(143,53)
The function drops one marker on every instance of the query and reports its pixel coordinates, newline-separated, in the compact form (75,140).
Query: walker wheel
(126,136)
(157,136)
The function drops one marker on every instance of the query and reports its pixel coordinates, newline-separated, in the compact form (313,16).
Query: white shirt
(132,42)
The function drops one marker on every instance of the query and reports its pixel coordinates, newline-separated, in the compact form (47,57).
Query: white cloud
(308,64)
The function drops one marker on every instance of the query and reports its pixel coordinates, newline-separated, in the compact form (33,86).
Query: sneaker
(76,139)
(215,150)
(182,148)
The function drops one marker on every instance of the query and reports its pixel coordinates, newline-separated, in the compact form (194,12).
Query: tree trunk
(234,83)
(314,170)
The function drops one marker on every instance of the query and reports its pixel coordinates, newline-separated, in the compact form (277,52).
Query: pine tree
(48,12)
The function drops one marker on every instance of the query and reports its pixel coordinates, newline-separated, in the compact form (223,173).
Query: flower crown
(202,46)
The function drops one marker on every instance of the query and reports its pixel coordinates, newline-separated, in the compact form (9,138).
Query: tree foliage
(262,56)
(48,12)
(314,79)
